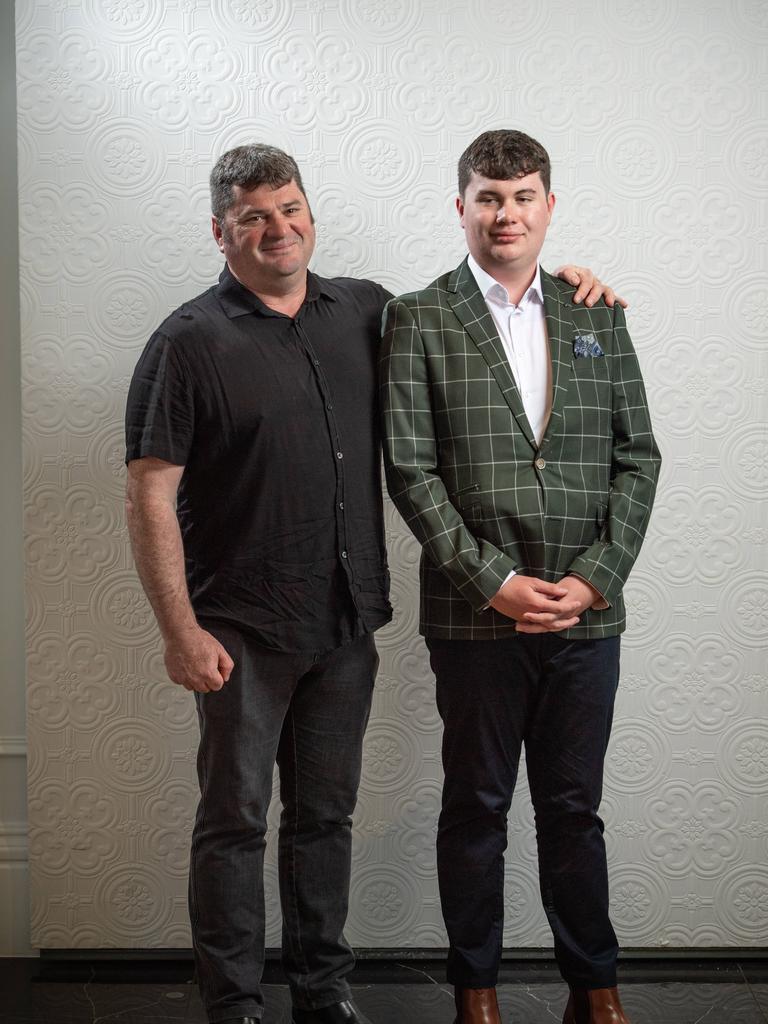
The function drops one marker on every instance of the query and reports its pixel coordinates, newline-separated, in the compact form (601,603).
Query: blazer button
(540,463)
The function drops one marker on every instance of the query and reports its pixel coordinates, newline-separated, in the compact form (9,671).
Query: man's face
(505,221)
(267,236)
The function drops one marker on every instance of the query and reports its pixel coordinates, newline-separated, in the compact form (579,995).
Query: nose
(276,224)
(505,213)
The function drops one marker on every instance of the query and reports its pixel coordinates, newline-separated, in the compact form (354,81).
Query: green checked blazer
(466,474)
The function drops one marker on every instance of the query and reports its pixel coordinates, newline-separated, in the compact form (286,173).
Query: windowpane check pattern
(467,475)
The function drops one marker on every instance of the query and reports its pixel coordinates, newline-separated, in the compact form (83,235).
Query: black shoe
(337,1013)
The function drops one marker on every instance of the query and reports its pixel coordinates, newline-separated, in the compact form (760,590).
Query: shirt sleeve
(159,415)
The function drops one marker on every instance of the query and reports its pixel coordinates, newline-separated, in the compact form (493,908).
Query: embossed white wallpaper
(654,113)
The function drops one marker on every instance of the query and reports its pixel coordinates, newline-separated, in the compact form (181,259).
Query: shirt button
(343,554)
(328,405)
(339,455)
(540,463)
(341,504)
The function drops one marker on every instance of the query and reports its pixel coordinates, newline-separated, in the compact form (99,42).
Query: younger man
(519,450)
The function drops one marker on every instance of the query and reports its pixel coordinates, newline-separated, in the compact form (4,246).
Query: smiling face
(505,222)
(267,236)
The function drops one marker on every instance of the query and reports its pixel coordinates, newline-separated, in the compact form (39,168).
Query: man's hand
(196,660)
(521,596)
(578,596)
(590,289)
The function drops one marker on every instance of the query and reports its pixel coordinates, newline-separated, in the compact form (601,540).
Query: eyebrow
(497,195)
(259,209)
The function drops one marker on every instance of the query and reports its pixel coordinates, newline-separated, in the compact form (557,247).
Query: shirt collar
(493,289)
(237,300)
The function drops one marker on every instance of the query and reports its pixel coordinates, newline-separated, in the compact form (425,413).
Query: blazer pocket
(469,489)
(574,534)
(465,499)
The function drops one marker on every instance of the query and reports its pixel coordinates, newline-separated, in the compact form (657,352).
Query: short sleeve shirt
(274,419)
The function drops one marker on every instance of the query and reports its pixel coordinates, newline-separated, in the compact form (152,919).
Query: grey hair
(249,167)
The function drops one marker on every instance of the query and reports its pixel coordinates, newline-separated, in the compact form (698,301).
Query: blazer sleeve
(475,567)
(635,464)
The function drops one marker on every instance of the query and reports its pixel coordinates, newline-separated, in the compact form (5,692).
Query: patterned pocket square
(586,346)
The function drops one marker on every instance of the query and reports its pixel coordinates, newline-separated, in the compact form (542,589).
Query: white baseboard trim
(14,848)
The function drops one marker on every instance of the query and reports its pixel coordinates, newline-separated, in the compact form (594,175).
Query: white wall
(653,113)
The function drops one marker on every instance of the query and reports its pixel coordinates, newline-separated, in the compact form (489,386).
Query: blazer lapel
(468,304)
(560,329)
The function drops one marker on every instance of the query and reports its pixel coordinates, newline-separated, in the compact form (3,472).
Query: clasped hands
(541,607)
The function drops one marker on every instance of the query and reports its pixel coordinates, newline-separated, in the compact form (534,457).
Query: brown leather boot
(594,1006)
(476,1006)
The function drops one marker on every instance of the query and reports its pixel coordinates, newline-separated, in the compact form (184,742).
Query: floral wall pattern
(654,116)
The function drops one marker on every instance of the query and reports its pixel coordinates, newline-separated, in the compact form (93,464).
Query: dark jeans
(307,713)
(555,696)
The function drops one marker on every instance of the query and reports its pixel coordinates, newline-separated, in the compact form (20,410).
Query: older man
(254,507)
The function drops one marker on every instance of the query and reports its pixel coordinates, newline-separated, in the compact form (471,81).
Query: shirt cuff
(509,577)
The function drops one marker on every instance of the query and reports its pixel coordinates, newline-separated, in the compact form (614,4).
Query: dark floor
(653,992)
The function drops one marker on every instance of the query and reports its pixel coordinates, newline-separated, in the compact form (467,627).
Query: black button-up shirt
(274,420)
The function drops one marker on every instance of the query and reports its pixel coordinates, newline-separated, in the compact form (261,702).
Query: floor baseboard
(406,966)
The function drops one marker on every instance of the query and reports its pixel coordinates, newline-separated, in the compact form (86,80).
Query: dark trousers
(307,713)
(555,696)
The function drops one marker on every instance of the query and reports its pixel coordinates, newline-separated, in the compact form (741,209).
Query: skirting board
(406,966)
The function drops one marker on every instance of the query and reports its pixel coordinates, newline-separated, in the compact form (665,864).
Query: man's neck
(286,299)
(517,281)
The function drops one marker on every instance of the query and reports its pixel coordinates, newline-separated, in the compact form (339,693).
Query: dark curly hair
(504,155)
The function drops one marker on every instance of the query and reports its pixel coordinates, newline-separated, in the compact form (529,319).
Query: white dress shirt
(523,332)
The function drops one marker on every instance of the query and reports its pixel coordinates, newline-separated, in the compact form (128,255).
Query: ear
(217,233)
(460,209)
(550,205)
